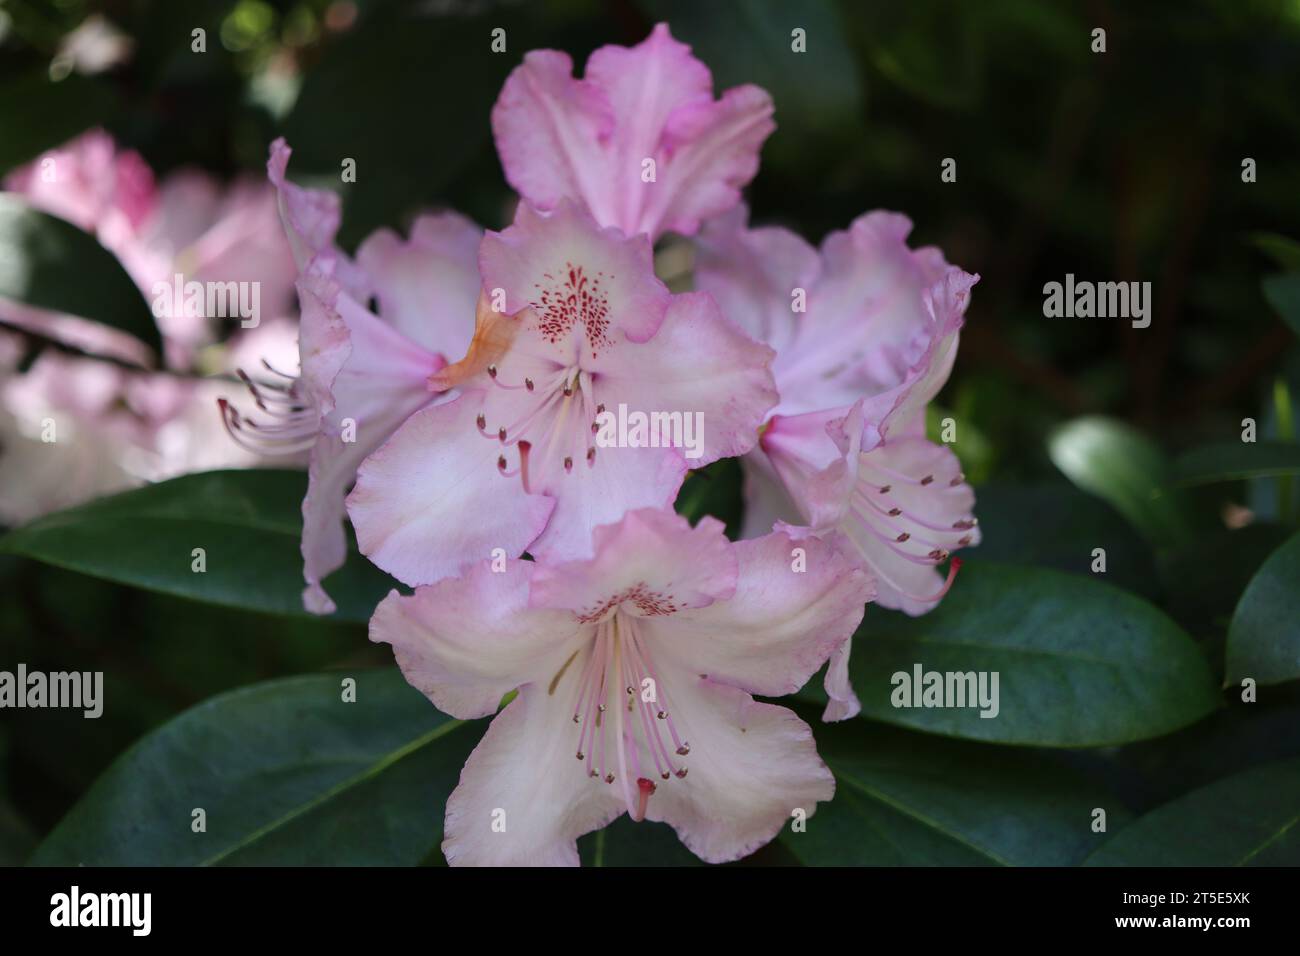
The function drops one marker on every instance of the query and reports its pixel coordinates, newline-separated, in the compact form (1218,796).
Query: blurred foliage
(1078,433)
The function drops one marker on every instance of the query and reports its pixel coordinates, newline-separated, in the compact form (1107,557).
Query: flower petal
(795,603)
(430,500)
(428,285)
(752,766)
(522,799)
(696,364)
(593,139)
(652,560)
(754,274)
(466,642)
(366,379)
(587,286)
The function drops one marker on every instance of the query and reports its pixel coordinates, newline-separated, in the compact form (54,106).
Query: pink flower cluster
(72,428)
(462,412)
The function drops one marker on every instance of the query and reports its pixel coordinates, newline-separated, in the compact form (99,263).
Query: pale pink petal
(754,274)
(903,405)
(616,481)
(698,364)
(466,642)
(766,500)
(843,703)
(710,152)
(752,767)
(365,379)
(431,499)
(795,603)
(548,127)
(588,287)
(427,286)
(522,799)
(649,564)
(933,504)
(640,141)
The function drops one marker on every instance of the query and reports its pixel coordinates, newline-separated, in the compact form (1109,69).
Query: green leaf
(1283,294)
(287,774)
(1080,663)
(1057,526)
(625,843)
(1250,819)
(1122,466)
(247,522)
(1235,461)
(907,799)
(50,263)
(37,113)
(1264,637)
(716,491)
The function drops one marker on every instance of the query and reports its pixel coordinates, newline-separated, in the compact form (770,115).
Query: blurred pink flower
(865,332)
(116,427)
(640,662)
(640,139)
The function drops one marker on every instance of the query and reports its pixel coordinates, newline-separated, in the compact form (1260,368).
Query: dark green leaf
(1122,466)
(1250,819)
(247,522)
(50,263)
(1236,460)
(1058,526)
(1264,638)
(907,799)
(1079,663)
(625,843)
(286,772)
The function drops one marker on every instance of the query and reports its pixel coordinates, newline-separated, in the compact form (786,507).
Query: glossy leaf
(286,772)
(1079,663)
(247,524)
(1249,819)
(1264,638)
(50,263)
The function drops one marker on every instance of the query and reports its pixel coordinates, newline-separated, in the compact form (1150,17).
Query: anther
(492,371)
(903,537)
(662,715)
(501,433)
(895,512)
(609,778)
(683,750)
(568,463)
(681,773)
(957,480)
(884,489)
(528,384)
(482,422)
(927,479)
(965,524)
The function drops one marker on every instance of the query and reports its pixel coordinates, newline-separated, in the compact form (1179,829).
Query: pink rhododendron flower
(114,427)
(639,139)
(362,373)
(188,225)
(634,671)
(845,451)
(512,462)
